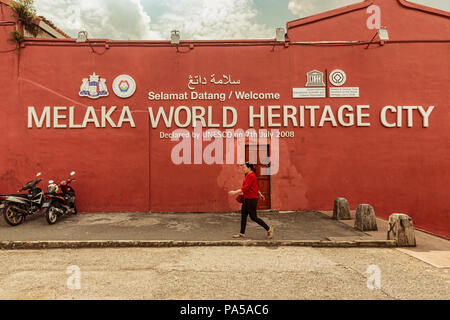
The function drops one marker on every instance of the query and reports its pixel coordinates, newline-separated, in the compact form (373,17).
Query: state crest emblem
(94,87)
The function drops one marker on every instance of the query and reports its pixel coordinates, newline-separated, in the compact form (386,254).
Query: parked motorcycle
(17,206)
(59,200)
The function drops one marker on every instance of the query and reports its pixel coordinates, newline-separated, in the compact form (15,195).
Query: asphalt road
(220,273)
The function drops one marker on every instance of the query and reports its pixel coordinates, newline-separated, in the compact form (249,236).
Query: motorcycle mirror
(50,181)
(72,173)
(38,174)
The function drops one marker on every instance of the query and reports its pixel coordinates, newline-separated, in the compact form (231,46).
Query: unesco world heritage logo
(315,79)
(124,86)
(94,87)
(338,77)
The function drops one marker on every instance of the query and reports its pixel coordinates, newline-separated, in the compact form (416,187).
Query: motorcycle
(17,206)
(58,204)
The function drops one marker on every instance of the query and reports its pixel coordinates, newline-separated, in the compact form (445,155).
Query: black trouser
(249,208)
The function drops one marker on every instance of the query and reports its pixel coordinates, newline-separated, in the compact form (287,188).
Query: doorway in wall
(257,154)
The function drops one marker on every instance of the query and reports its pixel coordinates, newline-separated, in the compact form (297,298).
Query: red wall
(129,169)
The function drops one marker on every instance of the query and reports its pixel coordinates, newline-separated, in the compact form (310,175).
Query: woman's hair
(249,165)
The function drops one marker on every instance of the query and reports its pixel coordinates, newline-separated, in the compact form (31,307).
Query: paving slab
(309,225)
(430,248)
(309,228)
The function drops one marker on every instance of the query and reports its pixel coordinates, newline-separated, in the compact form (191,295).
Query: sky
(195,19)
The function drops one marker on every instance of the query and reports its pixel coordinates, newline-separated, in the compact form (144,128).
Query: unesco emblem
(338,77)
(124,86)
(315,79)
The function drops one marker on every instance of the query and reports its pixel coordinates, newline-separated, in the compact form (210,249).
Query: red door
(257,154)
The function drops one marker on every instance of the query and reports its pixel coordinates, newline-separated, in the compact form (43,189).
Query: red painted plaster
(129,169)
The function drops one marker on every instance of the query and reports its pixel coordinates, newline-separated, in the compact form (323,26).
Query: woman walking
(250,191)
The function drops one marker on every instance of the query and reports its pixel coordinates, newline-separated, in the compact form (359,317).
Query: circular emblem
(124,86)
(337,77)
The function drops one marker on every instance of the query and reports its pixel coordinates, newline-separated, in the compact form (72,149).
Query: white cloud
(125,19)
(196,19)
(212,19)
(301,8)
(304,8)
(439,4)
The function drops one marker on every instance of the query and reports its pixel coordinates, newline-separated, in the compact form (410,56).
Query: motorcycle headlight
(52,188)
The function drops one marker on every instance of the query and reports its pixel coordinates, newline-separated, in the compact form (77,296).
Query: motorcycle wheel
(12,217)
(75,211)
(50,215)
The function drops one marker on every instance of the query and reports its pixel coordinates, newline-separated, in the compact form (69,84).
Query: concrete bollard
(365,219)
(401,230)
(341,210)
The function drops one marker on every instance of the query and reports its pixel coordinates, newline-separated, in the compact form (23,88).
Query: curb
(21,245)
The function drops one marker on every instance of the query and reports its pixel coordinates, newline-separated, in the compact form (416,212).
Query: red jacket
(250,186)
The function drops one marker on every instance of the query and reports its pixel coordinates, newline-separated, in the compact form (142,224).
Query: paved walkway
(213,227)
(177,226)
(430,249)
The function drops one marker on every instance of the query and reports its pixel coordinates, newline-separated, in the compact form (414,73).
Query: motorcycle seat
(15,195)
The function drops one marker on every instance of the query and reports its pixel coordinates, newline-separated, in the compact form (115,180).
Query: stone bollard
(365,218)
(401,230)
(341,210)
